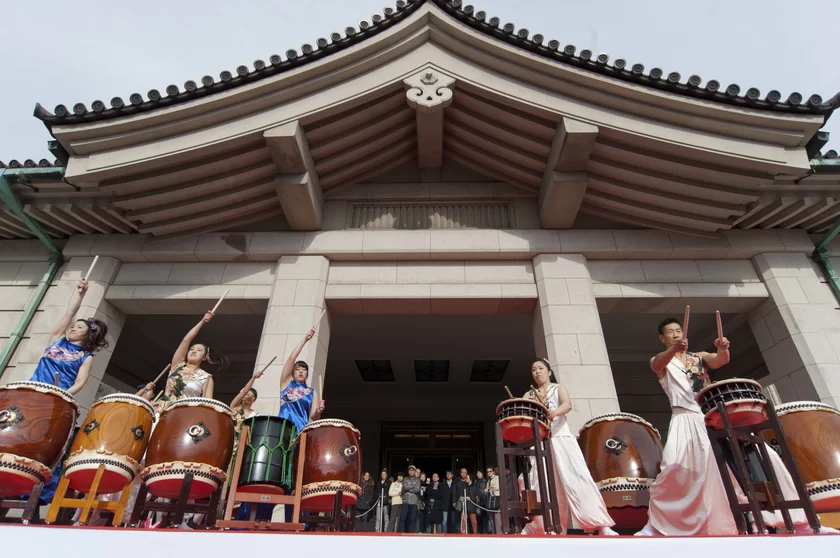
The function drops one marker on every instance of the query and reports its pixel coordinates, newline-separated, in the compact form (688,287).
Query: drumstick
(685,322)
(321,385)
(537,395)
(90,269)
(720,325)
(56,379)
(508,392)
(157,396)
(213,311)
(321,317)
(162,373)
(267,365)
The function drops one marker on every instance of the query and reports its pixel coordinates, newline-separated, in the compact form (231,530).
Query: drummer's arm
(718,359)
(82,377)
(64,322)
(315,410)
(660,362)
(181,352)
(289,367)
(208,388)
(565,406)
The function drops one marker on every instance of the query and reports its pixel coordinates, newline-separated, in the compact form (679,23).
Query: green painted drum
(268,457)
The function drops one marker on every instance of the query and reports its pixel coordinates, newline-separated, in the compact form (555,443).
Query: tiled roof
(585,59)
(31,164)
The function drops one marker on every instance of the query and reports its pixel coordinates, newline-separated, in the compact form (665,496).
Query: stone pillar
(54,305)
(297,299)
(568,328)
(798,330)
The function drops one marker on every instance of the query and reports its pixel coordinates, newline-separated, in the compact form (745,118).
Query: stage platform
(35,541)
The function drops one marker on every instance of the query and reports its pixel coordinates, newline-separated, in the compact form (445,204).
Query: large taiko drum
(193,435)
(268,458)
(517,416)
(623,453)
(812,431)
(36,421)
(332,462)
(743,399)
(115,434)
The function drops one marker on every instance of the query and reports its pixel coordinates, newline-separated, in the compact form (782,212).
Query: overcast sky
(53,52)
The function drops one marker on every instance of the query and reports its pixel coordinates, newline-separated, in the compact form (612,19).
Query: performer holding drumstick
(688,496)
(68,358)
(187,378)
(577,494)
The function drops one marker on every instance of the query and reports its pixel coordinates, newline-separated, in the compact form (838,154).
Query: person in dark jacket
(435,503)
(366,501)
(383,501)
(471,509)
(460,485)
(410,502)
(480,499)
(447,497)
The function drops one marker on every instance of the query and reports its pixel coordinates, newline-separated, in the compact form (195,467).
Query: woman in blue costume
(299,403)
(72,344)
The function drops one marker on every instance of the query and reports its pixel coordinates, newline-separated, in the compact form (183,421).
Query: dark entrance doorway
(432,447)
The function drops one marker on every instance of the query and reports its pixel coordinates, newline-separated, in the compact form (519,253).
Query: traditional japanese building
(460,195)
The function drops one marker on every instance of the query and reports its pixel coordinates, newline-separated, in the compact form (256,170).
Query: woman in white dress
(577,496)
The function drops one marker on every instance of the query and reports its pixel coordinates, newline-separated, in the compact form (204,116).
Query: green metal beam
(56,259)
(822,255)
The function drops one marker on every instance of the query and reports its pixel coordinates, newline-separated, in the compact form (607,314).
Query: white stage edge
(79,542)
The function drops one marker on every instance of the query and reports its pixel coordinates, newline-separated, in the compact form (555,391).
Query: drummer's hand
(681,346)
(207,317)
(722,343)
(310,334)
(82,287)
(150,386)
(258,374)
(321,406)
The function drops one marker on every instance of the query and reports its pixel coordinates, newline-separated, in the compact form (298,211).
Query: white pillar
(54,305)
(798,329)
(297,299)
(568,328)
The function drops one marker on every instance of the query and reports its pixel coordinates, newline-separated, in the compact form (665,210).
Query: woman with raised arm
(577,494)
(72,343)
(299,403)
(246,397)
(187,378)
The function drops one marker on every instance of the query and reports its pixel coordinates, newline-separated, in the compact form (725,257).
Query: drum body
(744,401)
(193,435)
(517,416)
(268,459)
(36,421)
(623,453)
(812,431)
(332,462)
(115,434)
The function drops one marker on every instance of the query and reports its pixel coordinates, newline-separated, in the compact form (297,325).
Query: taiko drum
(812,431)
(193,435)
(743,400)
(36,421)
(332,462)
(623,453)
(517,416)
(114,434)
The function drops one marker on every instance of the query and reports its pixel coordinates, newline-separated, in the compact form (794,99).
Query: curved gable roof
(467,15)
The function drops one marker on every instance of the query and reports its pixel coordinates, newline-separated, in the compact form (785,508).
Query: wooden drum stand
(254,498)
(89,502)
(512,505)
(761,495)
(29,507)
(175,509)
